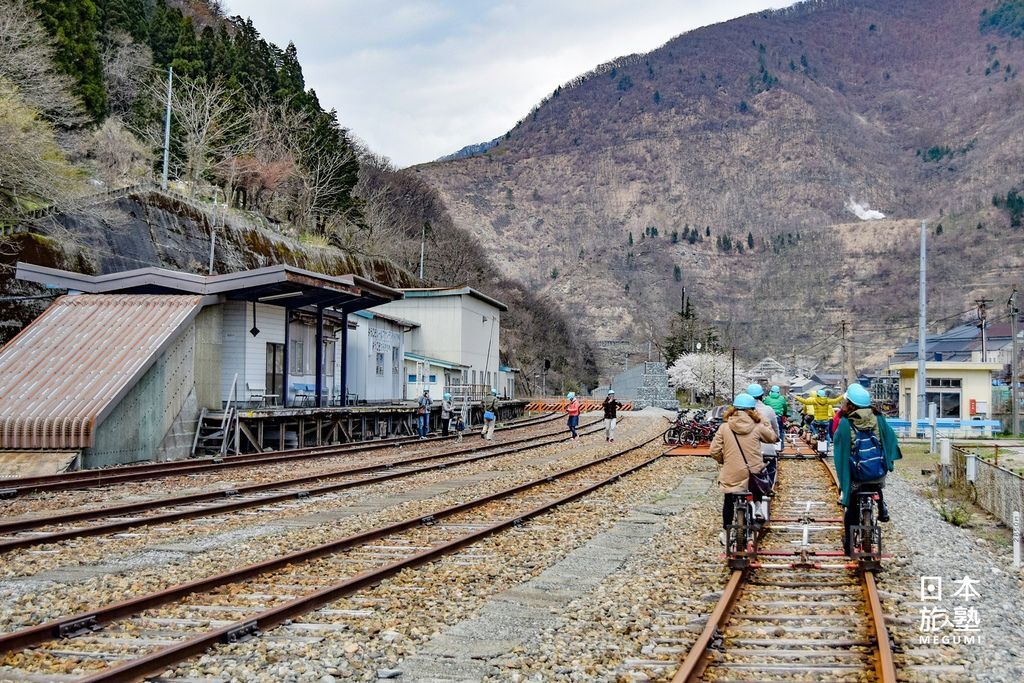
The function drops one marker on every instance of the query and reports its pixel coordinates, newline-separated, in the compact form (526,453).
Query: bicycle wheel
(867,522)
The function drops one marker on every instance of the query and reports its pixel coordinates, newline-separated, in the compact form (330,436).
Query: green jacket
(778,403)
(865,420)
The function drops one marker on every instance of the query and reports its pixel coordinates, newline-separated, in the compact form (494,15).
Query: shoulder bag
(759,483)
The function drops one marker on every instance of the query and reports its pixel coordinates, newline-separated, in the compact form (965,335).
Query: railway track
(53,528)
(802,610)
(148,633)
(10,488)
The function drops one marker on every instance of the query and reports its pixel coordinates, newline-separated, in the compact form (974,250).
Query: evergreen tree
(750,240)
(73,25)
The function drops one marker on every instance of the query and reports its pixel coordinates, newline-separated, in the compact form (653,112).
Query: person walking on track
(865,451)
(573,408)
(611,407)
(736,446)
(490,406)
(423,413)
(777,402)
(446,413)
(821,408)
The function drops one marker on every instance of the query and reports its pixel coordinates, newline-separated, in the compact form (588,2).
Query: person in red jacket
(837,417)
(573,408)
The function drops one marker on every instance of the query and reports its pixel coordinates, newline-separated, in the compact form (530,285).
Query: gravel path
(927,546)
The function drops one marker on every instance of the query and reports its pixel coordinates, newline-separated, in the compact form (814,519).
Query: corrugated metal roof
(62,374)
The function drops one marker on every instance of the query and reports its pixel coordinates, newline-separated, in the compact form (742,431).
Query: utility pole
(167,128)
(734,371)
(848,369)
(1014,381)
(983,324)
(922,327)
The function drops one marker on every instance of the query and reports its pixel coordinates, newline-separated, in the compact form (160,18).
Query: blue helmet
(821,392)
(494,392)
(755,390)
(571,395)
(744,401)
(447,396)
(858,396)
(775,388)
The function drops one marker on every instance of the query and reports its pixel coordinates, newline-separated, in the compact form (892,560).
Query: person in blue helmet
(447,410)
(736,446)
(768,452)
(864,452)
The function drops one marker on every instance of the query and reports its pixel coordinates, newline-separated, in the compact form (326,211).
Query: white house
(376,349)
(459,326)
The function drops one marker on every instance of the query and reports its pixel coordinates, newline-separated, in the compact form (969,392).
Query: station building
(130,366)
(454,341)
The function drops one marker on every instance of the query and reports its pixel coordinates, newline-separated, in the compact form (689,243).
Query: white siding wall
(372,337)
(452,328)
(481,328)
(235,333)
(438,335)
(357,355)
(270,321)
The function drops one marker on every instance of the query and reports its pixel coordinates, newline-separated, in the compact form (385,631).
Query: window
(948,403)
(412,378)
(395,360)
(380,364)
(296,357)
(433,379)
(942,382)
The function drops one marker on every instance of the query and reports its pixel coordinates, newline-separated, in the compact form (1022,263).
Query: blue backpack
(866,456)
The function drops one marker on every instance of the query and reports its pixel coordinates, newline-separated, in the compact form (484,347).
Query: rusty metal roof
(63,373)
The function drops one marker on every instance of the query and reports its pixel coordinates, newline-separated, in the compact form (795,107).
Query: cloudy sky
(417,79)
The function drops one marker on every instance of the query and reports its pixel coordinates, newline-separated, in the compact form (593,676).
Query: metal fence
(997,489)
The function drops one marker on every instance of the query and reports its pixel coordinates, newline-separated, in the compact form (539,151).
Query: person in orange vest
(573,408)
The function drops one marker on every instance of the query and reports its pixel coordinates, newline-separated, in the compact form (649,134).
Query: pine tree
(74,25)
(750,240)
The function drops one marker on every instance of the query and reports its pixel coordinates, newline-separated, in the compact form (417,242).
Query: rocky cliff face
(726,161)
(150,228)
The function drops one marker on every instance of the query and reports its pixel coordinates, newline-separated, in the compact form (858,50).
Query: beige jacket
(733,476)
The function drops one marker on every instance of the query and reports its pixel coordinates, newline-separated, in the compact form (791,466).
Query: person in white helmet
(611,407)
(447,409)
(573,409)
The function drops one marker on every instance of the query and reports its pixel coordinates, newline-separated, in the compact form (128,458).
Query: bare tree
(33,169)
(207,123)
(117,154)
(26,64)
(126,69)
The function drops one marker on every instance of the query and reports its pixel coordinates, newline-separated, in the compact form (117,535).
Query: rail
(88,478)
(713,636)
(239,498)
(83,624)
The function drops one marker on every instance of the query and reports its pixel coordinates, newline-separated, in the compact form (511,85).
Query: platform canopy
(279,285)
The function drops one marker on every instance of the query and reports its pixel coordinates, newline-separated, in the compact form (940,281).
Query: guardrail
(948,427)
(997,489)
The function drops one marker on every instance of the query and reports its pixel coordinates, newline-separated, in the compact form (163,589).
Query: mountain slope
(762,129)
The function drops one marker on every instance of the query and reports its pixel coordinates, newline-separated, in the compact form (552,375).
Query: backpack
(866,457)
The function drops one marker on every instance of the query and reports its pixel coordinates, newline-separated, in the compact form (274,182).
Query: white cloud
(417,79)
